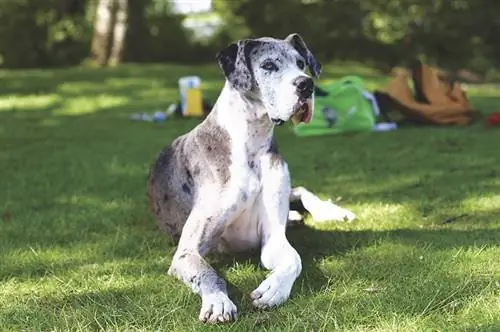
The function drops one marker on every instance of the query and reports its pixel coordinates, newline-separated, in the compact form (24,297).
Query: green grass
(79,249)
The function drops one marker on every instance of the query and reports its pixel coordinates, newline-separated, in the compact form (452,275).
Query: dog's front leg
(277,254)
(200,235)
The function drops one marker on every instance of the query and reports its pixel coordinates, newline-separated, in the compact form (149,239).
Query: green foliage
(154,33)
(452,33)
(59,32)
(43,33)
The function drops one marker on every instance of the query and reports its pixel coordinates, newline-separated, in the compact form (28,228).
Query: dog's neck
(245,117)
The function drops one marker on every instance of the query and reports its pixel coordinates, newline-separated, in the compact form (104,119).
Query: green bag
(346,108)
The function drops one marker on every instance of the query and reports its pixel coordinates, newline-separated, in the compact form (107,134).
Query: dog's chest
(242,232)
(246,176)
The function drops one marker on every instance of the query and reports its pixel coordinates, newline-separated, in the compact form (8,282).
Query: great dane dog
(223,186)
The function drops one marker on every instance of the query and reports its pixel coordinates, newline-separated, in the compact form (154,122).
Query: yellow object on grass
(194,102)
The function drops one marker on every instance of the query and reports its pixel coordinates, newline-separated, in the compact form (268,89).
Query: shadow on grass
(315,244)
(412,272)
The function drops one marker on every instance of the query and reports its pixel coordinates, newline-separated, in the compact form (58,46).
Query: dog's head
(273,71)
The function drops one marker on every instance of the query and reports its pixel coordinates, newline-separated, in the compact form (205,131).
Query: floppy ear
(235,63)
(298,43)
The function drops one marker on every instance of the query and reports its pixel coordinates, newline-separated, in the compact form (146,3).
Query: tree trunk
(119,32)
(103,31)
(137,35)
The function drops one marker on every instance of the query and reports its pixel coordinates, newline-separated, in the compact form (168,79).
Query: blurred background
(456,34)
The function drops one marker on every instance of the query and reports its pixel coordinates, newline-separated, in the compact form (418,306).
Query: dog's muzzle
(302,111)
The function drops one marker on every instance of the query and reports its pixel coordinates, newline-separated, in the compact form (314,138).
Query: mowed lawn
(79,248)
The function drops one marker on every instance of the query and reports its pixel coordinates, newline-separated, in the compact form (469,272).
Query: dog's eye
(270,66)
(301,64)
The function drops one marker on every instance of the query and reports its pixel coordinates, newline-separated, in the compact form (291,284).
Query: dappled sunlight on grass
(85,105)
(382,211)
(28,102)
(385,274)
(93,201)
(483,202)
(80,88)
(80,248)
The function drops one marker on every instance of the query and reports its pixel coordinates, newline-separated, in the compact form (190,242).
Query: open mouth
(303,112)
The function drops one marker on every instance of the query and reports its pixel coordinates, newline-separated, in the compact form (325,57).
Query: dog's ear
(235,63)
(298,43)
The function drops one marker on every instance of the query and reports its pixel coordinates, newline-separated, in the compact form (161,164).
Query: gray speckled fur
(175,176)
(224,186)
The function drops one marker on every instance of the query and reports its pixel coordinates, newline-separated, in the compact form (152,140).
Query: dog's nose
(305,86)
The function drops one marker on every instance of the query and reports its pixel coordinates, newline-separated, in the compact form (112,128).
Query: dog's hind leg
(277,254)
(200,235)
(320,210)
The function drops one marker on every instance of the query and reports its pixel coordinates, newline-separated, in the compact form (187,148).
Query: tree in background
(110,27)
(384,33)
(43,33)
(103,31)
(119,32)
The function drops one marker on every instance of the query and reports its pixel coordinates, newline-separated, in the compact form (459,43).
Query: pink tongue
(307,116)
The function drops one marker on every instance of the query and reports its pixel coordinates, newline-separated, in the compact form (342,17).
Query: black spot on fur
(195,281)
(209,148)
(244,197)
(186,188)
(165,197)
(251,164)
(189,177)
(273,150)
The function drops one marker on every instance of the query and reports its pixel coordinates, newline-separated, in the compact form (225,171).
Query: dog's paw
(217,308)
(271,292)
(327,211)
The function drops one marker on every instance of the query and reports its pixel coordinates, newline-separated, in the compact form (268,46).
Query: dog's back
(170,205)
